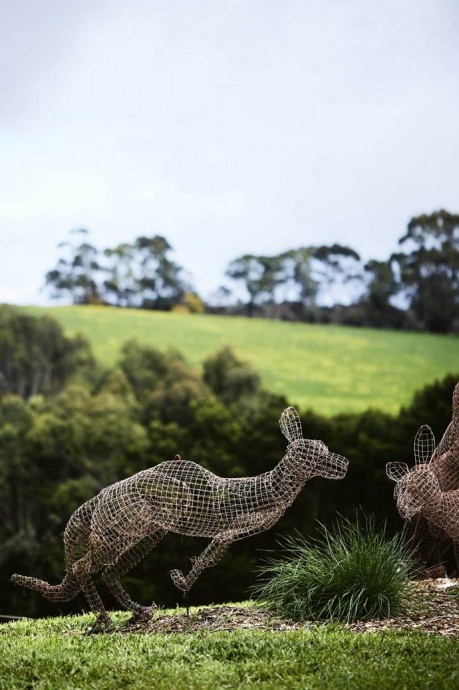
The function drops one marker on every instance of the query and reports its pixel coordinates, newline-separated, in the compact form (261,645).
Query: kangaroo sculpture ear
(290,424)
(396,470)
(424,444)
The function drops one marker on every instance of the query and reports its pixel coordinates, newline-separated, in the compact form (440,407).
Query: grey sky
(230,126)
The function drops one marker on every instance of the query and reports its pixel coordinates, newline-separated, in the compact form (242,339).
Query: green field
(53,654)
(328,368)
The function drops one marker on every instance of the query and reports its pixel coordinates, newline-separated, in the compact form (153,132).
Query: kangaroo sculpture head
(309,457)
(415,488)
(436,468)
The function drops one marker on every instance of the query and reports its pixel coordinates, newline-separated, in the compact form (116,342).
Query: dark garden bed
(433,609)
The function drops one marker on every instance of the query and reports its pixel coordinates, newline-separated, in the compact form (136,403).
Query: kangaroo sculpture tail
(65,591)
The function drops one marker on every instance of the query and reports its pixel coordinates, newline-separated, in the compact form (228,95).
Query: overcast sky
(228,126)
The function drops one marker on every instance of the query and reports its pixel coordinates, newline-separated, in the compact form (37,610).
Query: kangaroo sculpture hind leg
(76,546)
(128,560)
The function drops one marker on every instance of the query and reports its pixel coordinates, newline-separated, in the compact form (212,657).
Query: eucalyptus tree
(120,285)
(381,289)
(160,281)
(260,276)
(77,272)
(428,270)
(298,276)
(141,274)
(337,272)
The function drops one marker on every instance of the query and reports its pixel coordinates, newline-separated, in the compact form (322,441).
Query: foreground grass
(53,654)
(331,369)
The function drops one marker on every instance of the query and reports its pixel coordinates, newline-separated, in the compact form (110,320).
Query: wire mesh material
(107,536)
(429,491)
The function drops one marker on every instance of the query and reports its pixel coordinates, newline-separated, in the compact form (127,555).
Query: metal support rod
(187,604)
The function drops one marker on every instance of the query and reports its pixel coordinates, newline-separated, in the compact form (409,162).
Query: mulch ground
(434,609)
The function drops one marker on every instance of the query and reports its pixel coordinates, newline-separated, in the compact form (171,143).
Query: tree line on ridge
(416,288)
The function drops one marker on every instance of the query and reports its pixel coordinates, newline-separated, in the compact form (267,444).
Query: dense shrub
(350,572)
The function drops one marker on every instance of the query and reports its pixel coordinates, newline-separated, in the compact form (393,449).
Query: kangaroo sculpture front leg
(217,547)
(209,557)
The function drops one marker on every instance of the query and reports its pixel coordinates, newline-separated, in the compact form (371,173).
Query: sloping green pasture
(330,369)
(53,654)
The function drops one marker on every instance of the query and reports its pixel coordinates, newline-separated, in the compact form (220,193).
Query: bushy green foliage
(35,356)
(351,572)
(164,384)
(229,378)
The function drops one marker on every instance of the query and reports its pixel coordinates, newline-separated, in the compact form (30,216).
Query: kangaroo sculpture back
(107,536)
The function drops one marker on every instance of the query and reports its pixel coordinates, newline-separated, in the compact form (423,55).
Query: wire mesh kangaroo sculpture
(107,536)
(427,495)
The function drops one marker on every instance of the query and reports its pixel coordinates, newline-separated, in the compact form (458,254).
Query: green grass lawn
(328,368)
(53,654)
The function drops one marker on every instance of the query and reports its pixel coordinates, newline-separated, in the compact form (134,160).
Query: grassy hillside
(53,654)
(328,368)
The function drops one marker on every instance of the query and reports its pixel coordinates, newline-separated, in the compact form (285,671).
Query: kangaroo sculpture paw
(102,624)
(179,580)
(145,614)
(18,579)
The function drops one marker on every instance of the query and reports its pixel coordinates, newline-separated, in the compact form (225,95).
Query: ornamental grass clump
(352,572)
